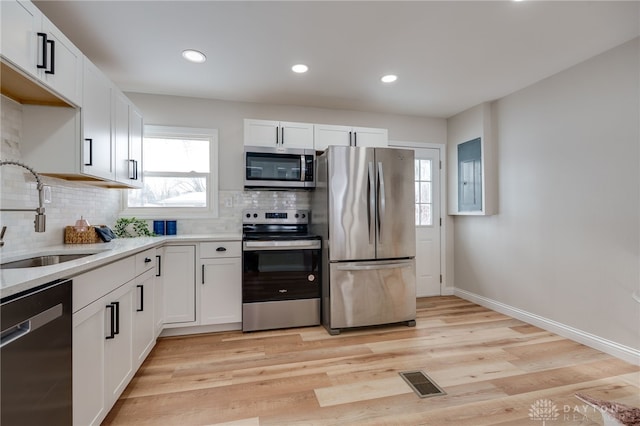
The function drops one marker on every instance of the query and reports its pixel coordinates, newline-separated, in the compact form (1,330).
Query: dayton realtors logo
(544,410)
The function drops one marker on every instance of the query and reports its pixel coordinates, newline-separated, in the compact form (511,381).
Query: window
(424,199)
(179,173)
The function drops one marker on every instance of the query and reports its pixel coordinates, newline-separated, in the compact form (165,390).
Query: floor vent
(421,384)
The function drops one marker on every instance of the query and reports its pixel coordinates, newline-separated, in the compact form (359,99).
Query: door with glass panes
(427,204)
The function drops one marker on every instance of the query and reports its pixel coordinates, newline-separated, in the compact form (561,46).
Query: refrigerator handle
(381,201)
(371,202)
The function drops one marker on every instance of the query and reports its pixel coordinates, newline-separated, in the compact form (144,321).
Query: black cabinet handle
(52,68)
(277,131)
(350,144)
(202,274)
(221,249)
(147,260)
(135,170)
(112,333)
(132,169)
(117,315)
(141,287)
(355,138)
(44,51)
(282,135)
(90,151)
(158,265)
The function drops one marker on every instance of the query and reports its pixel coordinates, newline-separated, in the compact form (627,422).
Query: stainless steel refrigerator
(363,207)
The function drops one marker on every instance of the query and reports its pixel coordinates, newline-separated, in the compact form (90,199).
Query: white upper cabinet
(64,64)
(278,134)
(127,133)
(34,45)
(21,22)
(327,134)
(96,123)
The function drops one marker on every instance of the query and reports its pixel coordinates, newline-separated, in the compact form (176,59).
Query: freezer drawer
(371,293)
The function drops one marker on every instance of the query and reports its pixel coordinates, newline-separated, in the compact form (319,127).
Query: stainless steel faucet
(40,222)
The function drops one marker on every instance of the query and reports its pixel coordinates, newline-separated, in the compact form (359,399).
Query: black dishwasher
(35,356)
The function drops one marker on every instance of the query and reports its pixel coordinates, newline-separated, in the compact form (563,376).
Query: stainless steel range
(281,282)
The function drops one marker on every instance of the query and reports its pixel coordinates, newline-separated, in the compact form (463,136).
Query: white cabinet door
(326,134)
(221,291)
(135,146)
(144,330)
(127,128)
(96,123)
(158,293)
(89,332)
(278,134)
(261,132)
(296,135)
(370,137)
(179,282)
(21,22)
(118,362)
(121,137)
(64,70)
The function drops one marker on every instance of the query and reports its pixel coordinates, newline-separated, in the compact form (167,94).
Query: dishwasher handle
(17,331)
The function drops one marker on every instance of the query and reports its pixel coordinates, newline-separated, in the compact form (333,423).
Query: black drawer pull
(112,333)
(141,309)
(147,260)
(221,249)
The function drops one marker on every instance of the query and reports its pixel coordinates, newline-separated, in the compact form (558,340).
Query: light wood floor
(492,367)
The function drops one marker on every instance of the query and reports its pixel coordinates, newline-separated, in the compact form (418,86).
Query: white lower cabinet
(178,278)
(158,292)
(118,361)
(113,331)
(221,289)
(89,402)
(144,327)
(102,361)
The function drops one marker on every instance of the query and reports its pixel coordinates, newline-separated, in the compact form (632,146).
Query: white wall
(228,118)
(565,243)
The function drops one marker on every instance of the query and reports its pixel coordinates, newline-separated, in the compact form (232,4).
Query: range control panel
(275,216)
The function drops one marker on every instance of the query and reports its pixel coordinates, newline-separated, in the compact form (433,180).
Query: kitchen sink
(43,260)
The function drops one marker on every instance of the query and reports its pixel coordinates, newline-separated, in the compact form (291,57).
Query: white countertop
(13,281)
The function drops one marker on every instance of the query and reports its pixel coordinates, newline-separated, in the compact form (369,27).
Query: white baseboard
(198,329)
(617,350)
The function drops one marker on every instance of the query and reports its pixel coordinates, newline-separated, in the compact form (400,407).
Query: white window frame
(211,211)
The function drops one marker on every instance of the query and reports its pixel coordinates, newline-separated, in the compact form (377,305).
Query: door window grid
(423,195)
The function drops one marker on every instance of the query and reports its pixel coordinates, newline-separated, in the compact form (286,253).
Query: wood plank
(492,367)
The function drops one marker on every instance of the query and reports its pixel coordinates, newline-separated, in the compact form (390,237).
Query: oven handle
(281,245)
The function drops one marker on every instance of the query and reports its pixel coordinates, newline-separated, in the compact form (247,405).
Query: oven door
(280,270)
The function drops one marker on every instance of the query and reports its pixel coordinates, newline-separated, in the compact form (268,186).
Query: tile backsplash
(18,189)
(70,200)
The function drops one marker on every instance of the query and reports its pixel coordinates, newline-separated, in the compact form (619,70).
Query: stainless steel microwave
(279,168)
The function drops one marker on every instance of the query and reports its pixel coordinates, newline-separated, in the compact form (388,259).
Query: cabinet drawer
(145,260)
(92,285)
(220,249)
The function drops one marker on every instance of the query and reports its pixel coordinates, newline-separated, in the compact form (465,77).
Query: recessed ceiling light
(300,68)
(390,78)
(194,56)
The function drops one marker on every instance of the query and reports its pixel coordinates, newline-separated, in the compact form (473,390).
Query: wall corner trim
(617,350)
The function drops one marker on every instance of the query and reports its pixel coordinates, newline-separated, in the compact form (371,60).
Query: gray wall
(565,243)
(228,118)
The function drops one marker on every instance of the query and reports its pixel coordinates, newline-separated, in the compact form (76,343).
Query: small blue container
(171,227)
(158,227)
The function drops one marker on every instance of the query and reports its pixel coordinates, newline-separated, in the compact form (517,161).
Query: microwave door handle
(303,167)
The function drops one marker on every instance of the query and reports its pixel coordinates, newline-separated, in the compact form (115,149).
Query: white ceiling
(449,56)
